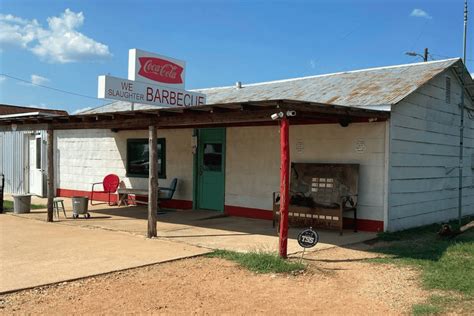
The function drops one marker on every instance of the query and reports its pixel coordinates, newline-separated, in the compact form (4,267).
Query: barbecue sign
(152,79)
(134,91)
(308,238)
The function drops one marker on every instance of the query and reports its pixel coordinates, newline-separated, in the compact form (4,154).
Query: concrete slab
(201,228)
(35,253)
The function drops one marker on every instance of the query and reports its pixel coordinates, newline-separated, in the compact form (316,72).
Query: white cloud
(36,79)
(2,79)
(312,64)
(60,42)
(82,110)
(419,13)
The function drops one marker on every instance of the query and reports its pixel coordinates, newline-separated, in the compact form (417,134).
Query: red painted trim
(367,225)
(175,204)
(363,224)
(97,196)
(248,212)
(178,204)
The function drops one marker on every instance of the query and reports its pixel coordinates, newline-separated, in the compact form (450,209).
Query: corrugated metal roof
(375,88)
(6,109)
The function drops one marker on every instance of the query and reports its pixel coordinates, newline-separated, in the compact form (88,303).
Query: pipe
(461,127)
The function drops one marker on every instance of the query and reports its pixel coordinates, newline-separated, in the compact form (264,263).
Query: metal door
(211,169)
(36,163)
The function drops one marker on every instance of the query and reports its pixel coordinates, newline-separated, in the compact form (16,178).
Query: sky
(66,45)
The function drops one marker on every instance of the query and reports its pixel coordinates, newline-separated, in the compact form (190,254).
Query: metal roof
(375,88)
(7,109)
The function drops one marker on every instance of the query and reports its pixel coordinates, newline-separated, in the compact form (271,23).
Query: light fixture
(344,122)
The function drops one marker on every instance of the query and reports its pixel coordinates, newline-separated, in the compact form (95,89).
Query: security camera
(276,116)
(290,113)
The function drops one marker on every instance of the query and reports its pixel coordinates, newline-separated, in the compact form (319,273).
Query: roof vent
(238,85)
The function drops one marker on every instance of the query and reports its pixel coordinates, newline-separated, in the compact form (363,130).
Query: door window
(38,153)
(212,157)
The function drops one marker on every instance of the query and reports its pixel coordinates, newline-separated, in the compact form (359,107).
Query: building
(400,124)
(23,154)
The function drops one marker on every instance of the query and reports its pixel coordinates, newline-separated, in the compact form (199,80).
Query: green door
(211,169)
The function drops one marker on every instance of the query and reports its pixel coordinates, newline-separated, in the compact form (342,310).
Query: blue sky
(67,44)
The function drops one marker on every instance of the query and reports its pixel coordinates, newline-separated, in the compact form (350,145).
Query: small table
(123,195)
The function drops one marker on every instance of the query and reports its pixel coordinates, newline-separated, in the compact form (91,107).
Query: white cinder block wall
(86,156)
(253,161)
(424,150)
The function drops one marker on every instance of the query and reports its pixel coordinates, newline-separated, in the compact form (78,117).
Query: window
(138,154)
(212,157)
(448,90)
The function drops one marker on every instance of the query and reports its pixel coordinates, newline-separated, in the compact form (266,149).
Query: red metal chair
(110,185)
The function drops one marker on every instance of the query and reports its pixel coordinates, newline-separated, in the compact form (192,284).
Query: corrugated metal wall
(14,160)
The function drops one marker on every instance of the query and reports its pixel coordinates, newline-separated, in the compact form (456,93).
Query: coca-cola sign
(156,69)
(160,70)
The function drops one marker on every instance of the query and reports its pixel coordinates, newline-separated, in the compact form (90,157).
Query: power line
(51,88)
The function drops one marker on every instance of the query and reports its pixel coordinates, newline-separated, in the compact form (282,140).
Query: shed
(23,153)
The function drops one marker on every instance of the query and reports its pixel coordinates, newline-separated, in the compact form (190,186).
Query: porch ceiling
(229,114)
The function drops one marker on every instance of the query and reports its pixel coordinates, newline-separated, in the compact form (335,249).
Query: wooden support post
(152,181)
(50,177)
(284,185)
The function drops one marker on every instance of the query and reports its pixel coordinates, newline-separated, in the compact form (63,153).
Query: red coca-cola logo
(160,70)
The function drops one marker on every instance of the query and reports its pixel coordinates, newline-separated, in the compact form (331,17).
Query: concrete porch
(208,229)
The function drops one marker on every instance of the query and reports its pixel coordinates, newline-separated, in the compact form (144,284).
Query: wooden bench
(320,195)
(164,193)
(124,197)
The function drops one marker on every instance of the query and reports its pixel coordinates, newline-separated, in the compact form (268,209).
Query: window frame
(161,171)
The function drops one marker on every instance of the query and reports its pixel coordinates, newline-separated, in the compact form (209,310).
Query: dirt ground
(333,284)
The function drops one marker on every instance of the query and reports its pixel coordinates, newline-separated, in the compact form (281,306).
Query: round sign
(308,238)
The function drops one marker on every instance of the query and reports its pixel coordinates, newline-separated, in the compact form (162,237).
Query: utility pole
(461,127)
(415,54)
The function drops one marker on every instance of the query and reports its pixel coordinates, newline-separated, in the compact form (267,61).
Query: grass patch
(446,263)
(442,304)
(260,262)
(8,206)
(425,309)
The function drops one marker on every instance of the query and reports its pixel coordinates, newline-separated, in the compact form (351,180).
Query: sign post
(155,80)
(308,238)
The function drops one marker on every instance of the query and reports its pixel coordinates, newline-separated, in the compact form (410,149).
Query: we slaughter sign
(139,92)
(156,69)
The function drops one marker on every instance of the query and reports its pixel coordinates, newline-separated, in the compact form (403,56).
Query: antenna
(465,32)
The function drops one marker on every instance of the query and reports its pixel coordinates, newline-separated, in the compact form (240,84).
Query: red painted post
(284,185)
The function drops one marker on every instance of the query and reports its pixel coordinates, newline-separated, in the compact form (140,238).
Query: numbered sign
(308,238)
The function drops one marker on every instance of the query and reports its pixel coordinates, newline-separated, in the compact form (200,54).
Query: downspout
(461,127)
